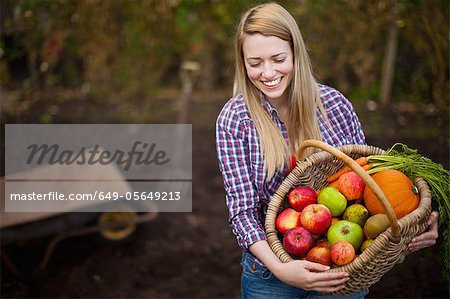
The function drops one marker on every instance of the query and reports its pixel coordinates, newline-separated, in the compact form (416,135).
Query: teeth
(272,83)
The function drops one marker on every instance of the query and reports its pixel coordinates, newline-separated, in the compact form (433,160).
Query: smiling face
(269,65)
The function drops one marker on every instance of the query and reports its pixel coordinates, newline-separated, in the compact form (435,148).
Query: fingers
(328,282)
(313,278)
(315,266)
(331,282)
(324,279)
(432,220)
(429,237)
(424,240)
(329,289)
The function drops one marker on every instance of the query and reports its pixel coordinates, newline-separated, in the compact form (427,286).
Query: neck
(282,107)
(279,104)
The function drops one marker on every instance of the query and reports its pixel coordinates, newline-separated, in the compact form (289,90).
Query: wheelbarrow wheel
(119,233)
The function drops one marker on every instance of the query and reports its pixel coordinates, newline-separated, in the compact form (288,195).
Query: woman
(277,105)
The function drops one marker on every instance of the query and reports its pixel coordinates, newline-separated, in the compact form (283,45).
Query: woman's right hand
(310,276)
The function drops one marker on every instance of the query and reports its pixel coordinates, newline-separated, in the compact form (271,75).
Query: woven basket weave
(388,249)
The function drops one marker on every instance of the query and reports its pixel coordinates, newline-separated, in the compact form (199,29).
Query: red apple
(301,196)
(287,219)
(319,254)
(316,218)
(298,241)
(323,242)
(351,185)
(342,253)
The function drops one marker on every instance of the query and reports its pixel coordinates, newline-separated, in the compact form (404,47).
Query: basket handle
(364,176)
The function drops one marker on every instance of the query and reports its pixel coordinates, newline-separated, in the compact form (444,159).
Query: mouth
(272,83)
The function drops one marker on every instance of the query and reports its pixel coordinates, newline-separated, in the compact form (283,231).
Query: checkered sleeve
(241,197)
(345,125)
(352,123)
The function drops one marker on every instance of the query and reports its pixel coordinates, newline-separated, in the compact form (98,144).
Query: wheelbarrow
(115,223)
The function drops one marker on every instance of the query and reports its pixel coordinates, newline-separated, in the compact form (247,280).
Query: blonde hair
(273,20)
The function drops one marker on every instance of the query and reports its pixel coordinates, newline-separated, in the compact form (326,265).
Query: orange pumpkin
(399,190)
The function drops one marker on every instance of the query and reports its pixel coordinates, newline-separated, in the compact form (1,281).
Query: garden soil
(189,255)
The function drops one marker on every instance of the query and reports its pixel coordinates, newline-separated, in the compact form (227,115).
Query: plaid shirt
(242,166)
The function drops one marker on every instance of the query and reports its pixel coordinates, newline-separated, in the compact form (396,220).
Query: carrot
(361,162)
(333,184)
(336,176)
(366,167)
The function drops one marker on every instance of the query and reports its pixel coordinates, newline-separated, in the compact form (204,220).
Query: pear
(356,213)
(366,244)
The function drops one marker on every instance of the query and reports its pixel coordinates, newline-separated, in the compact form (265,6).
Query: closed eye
(254,64)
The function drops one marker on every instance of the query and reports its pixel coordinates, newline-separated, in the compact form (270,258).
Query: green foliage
(369,92)
(125,50)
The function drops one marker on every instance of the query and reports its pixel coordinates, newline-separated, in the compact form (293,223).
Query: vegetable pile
(414,165)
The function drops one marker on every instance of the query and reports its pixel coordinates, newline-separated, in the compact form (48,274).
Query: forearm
(262,251)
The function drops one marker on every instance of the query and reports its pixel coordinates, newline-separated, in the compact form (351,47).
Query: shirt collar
(266,105)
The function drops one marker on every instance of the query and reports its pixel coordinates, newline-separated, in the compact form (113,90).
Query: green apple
(347,231)
(356,213)
(333,200)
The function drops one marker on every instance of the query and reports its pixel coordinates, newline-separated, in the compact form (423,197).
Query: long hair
(273,20)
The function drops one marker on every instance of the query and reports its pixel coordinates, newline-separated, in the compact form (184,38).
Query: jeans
(258,282)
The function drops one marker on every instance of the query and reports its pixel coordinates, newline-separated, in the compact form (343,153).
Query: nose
(268,71)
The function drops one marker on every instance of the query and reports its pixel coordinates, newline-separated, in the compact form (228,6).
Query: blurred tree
(204,33)
(121,51)
(125,45)
(347,40)
(389,57)
(423,63)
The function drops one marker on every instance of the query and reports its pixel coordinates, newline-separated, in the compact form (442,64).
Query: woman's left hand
(429,237)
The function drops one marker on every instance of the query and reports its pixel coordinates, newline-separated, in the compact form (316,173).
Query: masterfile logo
(154,151)
(140,153)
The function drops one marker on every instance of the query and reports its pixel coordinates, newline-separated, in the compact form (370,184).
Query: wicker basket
(388,249)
